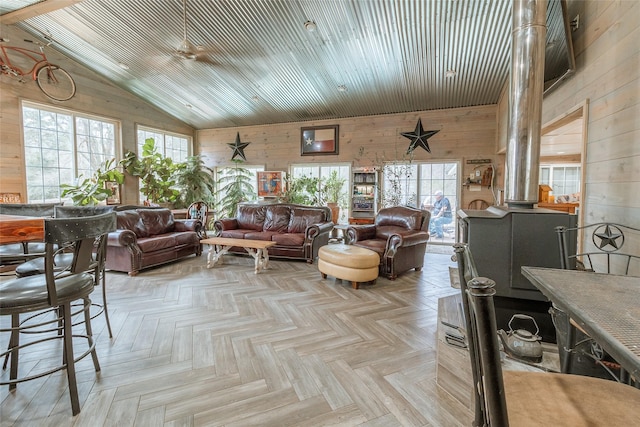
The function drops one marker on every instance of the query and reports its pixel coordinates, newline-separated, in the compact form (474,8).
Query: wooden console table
(219,246)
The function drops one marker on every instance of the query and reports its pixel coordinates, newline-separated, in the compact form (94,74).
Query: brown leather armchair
(399,235)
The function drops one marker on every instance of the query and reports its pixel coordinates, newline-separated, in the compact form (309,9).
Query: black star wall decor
(238,148)
(419,137)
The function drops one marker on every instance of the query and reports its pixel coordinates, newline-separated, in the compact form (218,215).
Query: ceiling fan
(186,50)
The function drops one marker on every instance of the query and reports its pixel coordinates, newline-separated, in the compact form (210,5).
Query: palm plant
(195,181)
(234,184)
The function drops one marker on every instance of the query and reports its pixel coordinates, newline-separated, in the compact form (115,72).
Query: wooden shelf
(563,207)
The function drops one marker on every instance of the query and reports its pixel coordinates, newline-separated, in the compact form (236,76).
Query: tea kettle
(522,344)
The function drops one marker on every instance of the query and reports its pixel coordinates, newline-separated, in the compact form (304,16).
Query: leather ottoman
(348,262)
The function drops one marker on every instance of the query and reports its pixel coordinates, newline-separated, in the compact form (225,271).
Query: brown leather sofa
(150,237)
(399,235)
(299,231)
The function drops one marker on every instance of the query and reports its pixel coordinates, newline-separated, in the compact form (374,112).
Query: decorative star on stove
(419,137)
(610,236)
(238,148)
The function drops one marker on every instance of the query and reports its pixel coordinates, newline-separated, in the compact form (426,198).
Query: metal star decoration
(419,137)
(609,237)
(238,148)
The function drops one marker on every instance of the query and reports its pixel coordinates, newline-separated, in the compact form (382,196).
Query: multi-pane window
(176,147)
(438,177)
(400,184)
(323,171)
(563,179)
(415,184)
(60,146)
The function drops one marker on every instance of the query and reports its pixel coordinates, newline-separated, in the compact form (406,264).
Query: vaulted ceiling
(250,62)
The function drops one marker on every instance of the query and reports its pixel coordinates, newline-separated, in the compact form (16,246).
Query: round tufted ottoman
(348,263)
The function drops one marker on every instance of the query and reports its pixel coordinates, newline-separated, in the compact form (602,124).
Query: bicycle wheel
(55,82)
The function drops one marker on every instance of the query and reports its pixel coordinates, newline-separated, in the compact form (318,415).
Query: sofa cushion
(277,218)
(400,217)
(186,238)
(130,220)
(250,217)
(260,235)
(236,233)
(157,243)
(156,221)
(301,218)
(289,239)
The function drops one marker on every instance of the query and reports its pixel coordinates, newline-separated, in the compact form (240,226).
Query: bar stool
(55,291)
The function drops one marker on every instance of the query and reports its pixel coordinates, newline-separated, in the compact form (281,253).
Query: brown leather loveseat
(399,235)
(299,231)
(150,237)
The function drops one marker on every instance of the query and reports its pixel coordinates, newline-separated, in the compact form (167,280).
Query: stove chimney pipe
(525,102)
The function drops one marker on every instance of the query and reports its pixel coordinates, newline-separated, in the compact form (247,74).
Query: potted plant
(303,190)
(234,184)
(195,182)
(333,194)
(92,191)
(156,173)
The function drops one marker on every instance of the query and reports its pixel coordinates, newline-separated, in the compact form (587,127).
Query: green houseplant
(333,194)
(195,182)
(156,173)
(92,191)
(234,186)
(303,190)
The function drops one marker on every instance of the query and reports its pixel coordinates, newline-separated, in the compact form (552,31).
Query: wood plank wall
(608,75)
(464,134)
(95,95)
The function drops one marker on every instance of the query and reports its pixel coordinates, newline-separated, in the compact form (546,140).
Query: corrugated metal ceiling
(259,64)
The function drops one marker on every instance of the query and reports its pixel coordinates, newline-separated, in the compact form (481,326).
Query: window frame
(163,148)
(324,170)
(552,167)
(75,170)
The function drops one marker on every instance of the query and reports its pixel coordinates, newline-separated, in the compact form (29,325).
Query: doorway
(563,147)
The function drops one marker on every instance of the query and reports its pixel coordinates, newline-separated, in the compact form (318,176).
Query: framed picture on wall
(318,140)
(269,184)
(114,198)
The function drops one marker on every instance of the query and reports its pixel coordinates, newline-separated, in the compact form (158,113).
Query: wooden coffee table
(219,246)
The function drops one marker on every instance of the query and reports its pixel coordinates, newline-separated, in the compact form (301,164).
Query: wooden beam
(37,9)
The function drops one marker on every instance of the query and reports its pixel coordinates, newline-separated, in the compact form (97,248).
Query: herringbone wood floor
(225,347)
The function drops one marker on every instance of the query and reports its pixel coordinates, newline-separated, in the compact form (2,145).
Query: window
(439,177)
(399,184)
(60,146)
(414,184)
(323,171)
(564,179)
(177,147)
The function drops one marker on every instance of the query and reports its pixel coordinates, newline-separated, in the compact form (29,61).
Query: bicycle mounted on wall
(52,80)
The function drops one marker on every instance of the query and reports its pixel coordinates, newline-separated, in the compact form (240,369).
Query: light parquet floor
(225,347)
